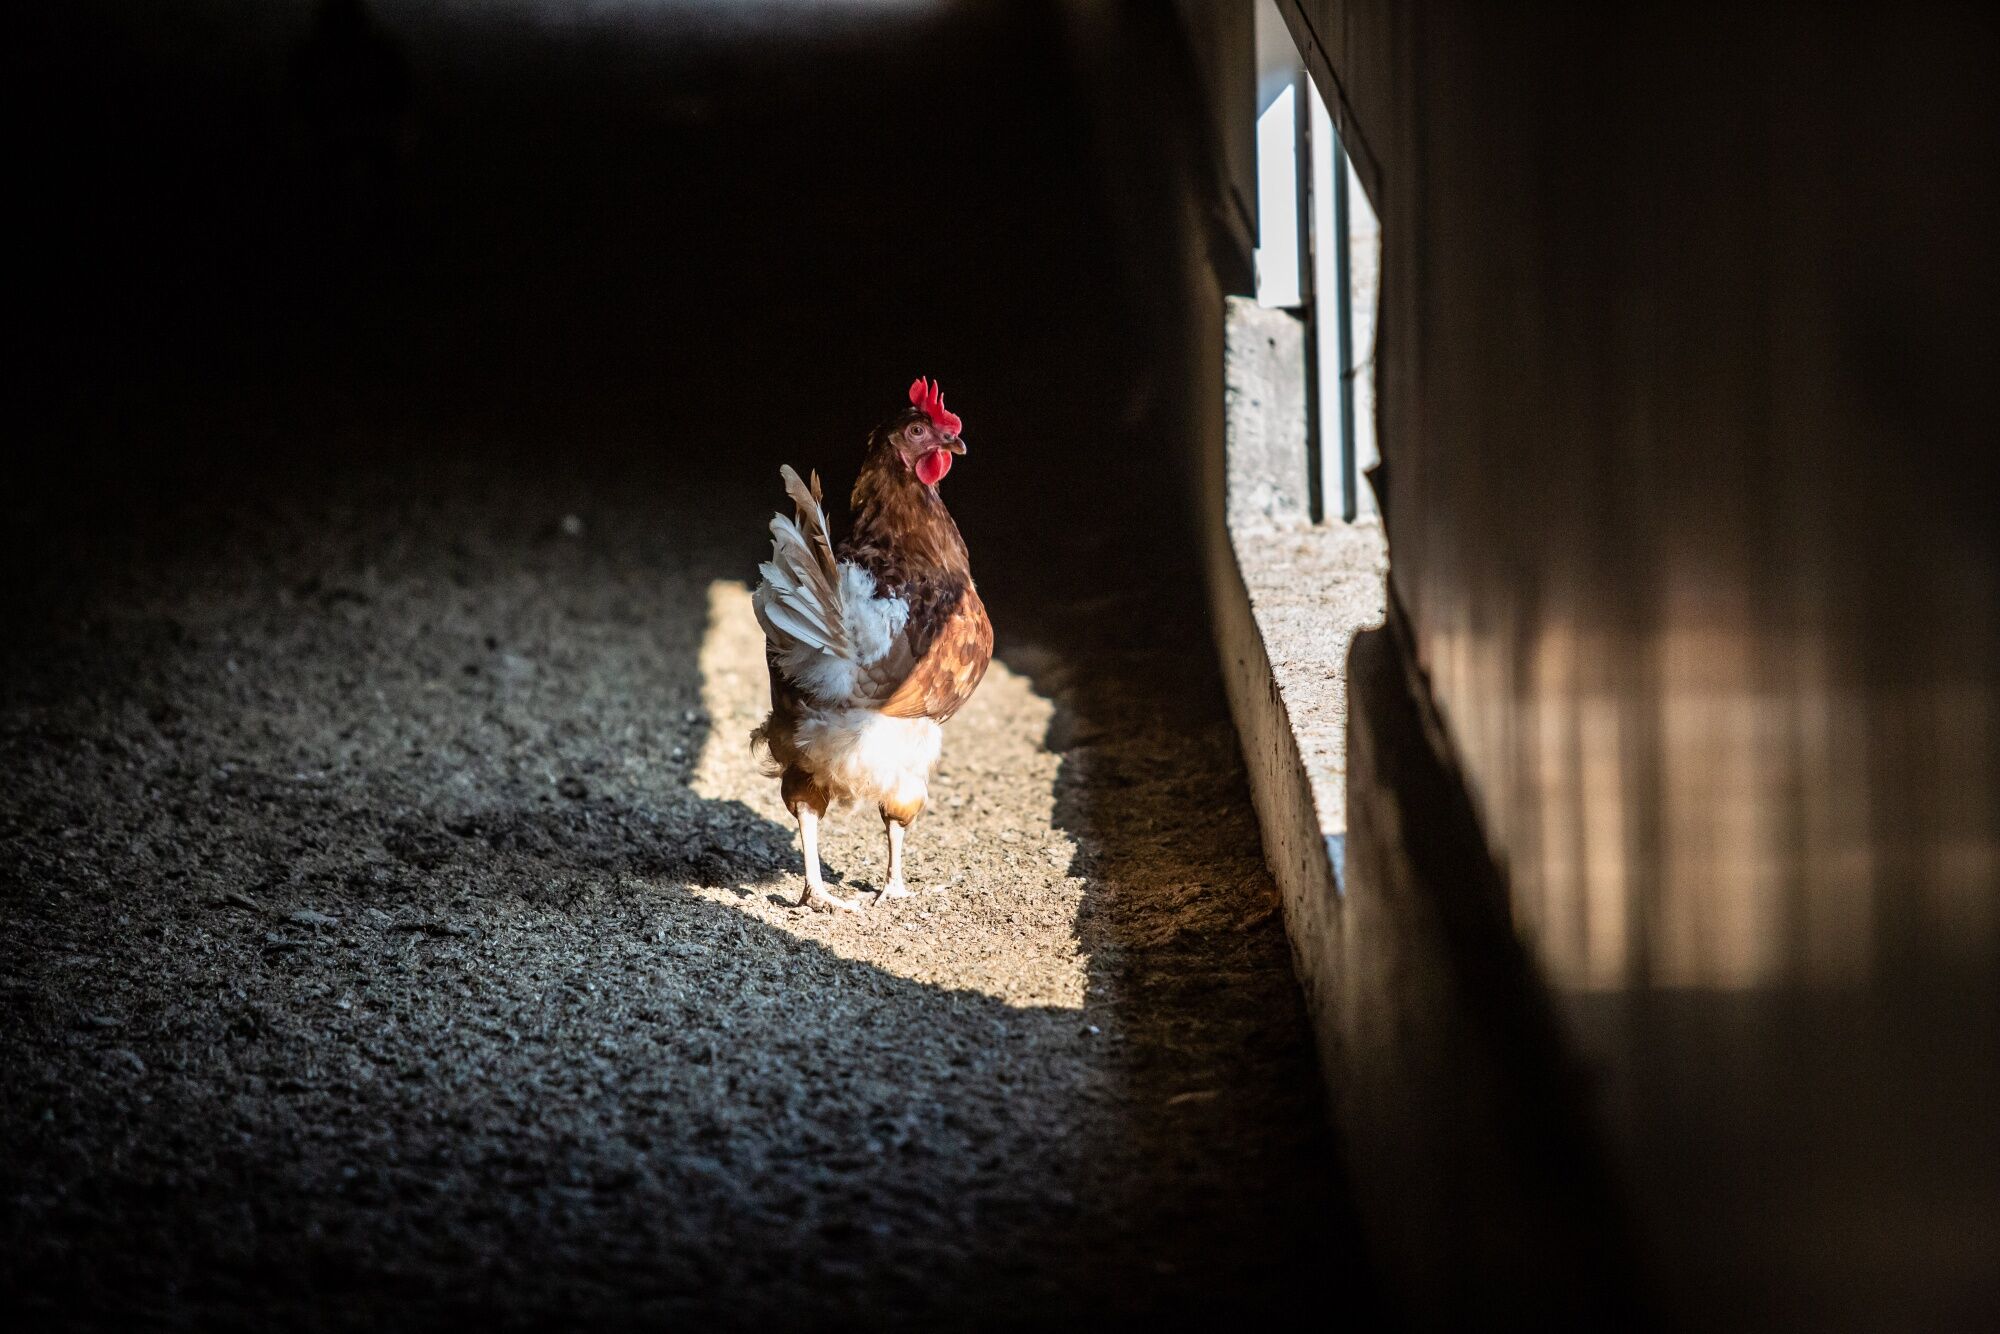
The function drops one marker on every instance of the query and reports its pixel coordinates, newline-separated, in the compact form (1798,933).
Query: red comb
(929,399)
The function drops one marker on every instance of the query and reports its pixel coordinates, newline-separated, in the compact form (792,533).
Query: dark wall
(1684,370)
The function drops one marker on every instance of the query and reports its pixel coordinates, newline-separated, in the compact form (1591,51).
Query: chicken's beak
(954,444)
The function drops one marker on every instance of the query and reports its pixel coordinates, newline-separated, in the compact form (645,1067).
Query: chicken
(874,645)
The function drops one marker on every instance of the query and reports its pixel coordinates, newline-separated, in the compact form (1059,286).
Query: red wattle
(932,465)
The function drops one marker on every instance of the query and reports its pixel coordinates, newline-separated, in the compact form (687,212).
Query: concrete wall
(1682,369)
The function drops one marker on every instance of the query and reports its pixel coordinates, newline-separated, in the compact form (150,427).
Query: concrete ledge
(1286,598)
(1476,1178)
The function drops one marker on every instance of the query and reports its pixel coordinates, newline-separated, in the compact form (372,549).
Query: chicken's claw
(820,899)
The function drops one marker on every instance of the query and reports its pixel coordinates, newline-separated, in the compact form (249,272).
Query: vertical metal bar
(1318,502)
(1343,262)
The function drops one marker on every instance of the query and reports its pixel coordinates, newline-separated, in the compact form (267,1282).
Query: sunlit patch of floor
(995,910)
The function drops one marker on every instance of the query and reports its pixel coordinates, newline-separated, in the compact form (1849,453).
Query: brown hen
(874,644)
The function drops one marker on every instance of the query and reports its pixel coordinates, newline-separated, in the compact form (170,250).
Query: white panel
(1278,275)
(1364,243)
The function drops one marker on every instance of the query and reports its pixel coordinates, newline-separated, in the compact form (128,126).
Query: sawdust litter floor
(396,928)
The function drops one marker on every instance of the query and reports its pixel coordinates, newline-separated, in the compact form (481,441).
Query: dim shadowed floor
(395,926)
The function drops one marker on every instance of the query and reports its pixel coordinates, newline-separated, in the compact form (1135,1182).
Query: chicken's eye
(919,431)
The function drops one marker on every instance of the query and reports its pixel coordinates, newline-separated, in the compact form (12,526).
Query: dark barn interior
(351,971)
(396,931)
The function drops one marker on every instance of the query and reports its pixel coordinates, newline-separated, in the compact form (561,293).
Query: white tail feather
(824,621)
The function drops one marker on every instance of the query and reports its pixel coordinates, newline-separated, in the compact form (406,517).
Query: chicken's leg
(893,887)
(817,895)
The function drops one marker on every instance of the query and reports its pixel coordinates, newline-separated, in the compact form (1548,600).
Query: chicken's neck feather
(901,524)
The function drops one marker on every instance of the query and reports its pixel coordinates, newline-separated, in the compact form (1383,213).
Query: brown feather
(901,531)
(951,665)
(905,537)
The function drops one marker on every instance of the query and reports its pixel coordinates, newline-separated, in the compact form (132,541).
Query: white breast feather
(868,756)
